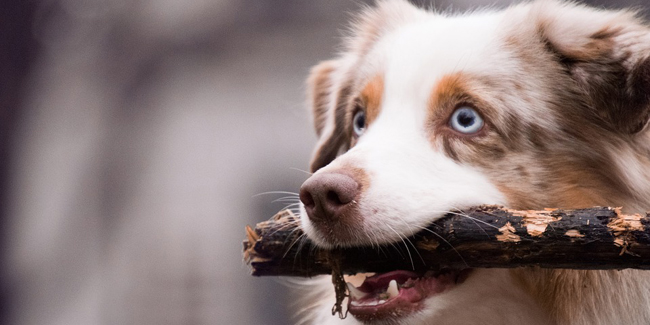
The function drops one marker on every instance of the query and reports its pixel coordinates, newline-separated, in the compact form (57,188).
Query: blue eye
(466,120)
(359,122)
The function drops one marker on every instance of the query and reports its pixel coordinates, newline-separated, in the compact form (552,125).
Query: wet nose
(325,195)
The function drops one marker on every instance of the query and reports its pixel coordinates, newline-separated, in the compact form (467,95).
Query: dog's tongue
(398,293)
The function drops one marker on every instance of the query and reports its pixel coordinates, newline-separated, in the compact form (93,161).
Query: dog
(541,104)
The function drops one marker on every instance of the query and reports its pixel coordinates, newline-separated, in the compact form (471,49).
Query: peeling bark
(484,236)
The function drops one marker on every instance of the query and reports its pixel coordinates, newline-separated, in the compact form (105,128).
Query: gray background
(136,138)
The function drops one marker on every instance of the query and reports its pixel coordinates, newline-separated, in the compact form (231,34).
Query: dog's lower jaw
(389,296)
(488,296)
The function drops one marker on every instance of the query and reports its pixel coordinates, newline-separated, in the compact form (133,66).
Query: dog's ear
(328,96)
(607,54)
(320,88)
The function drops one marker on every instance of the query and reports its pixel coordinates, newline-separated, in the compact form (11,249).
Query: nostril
(333,197)
(307,199)
(342,190)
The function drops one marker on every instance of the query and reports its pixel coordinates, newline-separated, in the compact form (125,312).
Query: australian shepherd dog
(539,105)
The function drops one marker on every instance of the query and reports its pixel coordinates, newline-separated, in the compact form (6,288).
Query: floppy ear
(328,95)
(607,54)
(321,86)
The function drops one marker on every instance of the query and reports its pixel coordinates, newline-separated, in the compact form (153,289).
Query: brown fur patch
(552,287)
(452,87)
(360,175)
(319,89)
(599,44)
(567,294)
(449,92)
(561,182)
(489,144)
(605,69)
(371,97)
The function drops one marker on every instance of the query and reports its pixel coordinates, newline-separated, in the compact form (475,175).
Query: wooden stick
(484,236)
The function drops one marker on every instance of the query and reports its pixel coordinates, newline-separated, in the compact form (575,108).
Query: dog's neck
(570,295)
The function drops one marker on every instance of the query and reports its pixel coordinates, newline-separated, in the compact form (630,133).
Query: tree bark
(484,236)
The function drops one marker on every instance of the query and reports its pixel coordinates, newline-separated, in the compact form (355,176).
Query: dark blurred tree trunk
(17,52)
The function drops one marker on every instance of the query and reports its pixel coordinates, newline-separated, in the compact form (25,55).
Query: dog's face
(531,107)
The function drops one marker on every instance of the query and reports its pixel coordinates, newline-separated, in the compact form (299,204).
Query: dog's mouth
(399,293)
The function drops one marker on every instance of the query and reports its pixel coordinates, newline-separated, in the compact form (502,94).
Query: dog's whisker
(287,207)
(379,246)
(410,242)
(408,251)
(465,215)
(372,237)
(459,212)
(416,250)
(372,242)
(478,220)
(301,242)
(276,192)
(301,170)
(298,239)
(295,224)
(447,242)
(287,199)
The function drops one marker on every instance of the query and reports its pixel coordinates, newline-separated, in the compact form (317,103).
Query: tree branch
(485,236)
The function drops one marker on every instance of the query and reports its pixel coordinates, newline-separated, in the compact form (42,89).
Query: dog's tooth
(392,290)
(354,292)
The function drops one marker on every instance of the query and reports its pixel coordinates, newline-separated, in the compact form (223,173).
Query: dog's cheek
(510,169)
(480,152)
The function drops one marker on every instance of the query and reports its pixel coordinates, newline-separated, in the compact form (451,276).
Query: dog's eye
(359,122)
(466,120)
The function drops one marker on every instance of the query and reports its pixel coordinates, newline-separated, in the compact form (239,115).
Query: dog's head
(422,113)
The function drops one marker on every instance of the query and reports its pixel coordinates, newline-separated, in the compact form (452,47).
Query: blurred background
(138,138)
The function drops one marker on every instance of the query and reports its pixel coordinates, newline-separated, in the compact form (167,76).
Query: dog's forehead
(413,60)
(415,56)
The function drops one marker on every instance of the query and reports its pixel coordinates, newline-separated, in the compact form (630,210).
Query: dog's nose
(325,195)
